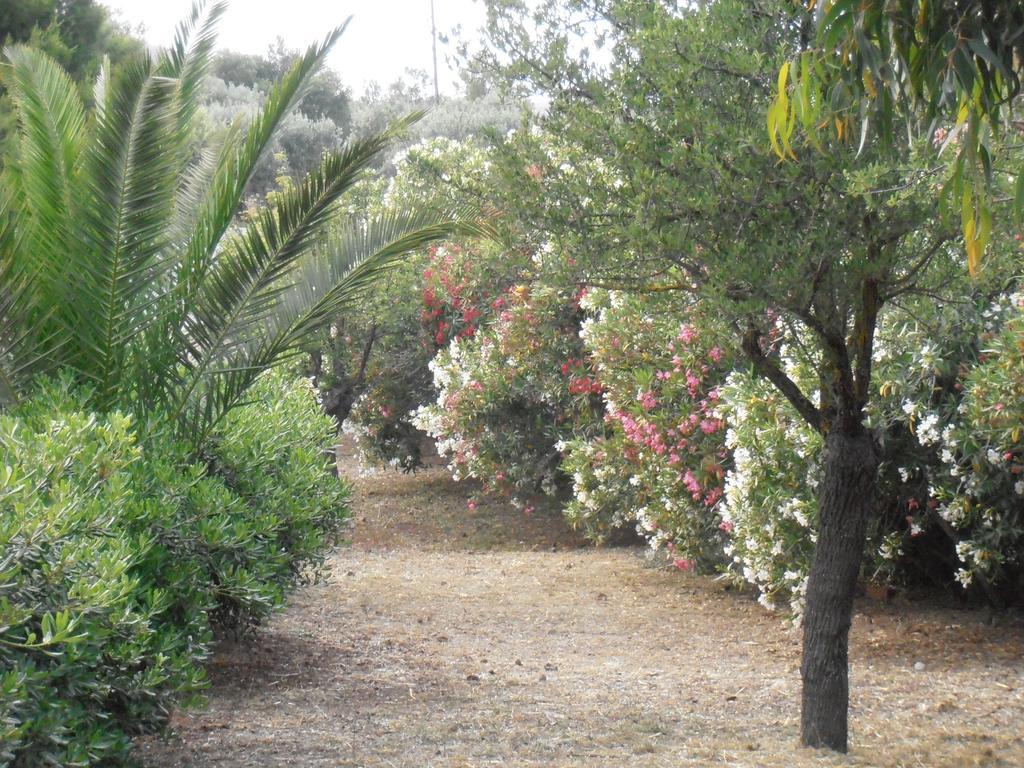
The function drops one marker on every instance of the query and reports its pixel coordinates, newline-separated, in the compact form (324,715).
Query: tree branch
(767,368)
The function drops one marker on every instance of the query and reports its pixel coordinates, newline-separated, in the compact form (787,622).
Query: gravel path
(454,638)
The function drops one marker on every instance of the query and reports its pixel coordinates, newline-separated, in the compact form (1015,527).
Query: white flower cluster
(927,430)
(769,520)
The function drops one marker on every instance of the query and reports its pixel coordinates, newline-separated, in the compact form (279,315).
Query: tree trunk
(846,499)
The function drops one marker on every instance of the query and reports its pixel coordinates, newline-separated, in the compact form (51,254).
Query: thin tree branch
(768,369)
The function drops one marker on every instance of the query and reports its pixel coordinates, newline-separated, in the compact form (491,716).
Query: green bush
(119,563)
(273,454)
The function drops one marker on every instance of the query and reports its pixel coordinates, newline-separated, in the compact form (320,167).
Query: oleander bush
(975,490)
(661,460)
(122,560)
(443,292)
(650,419)
(947,423)
(457,288)
(512,393)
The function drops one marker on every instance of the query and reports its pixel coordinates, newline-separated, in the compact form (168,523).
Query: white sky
(384,38)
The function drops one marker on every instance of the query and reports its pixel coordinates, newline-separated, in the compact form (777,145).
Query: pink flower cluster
(676,417)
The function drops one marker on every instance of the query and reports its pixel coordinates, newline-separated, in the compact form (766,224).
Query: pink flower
(648,400)
(683,564)
(686,334)
(726,526)
(692,485)
(471,504)
(715,354)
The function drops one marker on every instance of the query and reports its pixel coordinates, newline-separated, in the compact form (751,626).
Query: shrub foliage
(121,561)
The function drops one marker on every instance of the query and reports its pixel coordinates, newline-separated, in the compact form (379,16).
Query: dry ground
(451,638)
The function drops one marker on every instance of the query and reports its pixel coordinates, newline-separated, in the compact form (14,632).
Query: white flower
(927,434)
(764,600)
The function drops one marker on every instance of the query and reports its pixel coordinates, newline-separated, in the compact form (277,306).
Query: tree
(696,202)
(78,33)
(124,259)
(949,69)
(326,97)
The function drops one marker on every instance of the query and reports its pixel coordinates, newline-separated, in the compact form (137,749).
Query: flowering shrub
(461,286)
(771,507)
(661,461)
(380,421)
(510,394)
(948,479)
(977,491)
(447,292)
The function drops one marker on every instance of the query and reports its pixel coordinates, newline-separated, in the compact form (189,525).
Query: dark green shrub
(273,455)
(119,563)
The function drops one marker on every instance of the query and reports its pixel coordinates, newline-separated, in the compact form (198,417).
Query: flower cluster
(979,487)
(770,506)
(661,462)
(455,298)
(504,403)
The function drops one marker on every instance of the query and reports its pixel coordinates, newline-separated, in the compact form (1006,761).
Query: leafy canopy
(950,69)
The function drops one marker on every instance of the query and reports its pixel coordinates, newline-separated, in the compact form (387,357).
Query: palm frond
(41,168)
(359,255)
(128,187)
(315,294)
(241,289)
(21,352)
(237,165)
(188,61)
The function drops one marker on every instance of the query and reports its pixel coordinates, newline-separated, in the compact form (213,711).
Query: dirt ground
(450,637)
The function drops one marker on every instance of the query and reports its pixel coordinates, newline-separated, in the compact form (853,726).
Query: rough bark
(846,499)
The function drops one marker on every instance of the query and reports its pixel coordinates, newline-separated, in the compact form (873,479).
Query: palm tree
(121,258)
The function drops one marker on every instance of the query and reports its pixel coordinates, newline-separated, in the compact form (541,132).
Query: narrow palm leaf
(241,289)
(315,294)
(187,62)
(21,351)
(128,188)
(40,173)
(239,161)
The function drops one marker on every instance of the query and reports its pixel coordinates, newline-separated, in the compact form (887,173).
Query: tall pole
(433,34)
